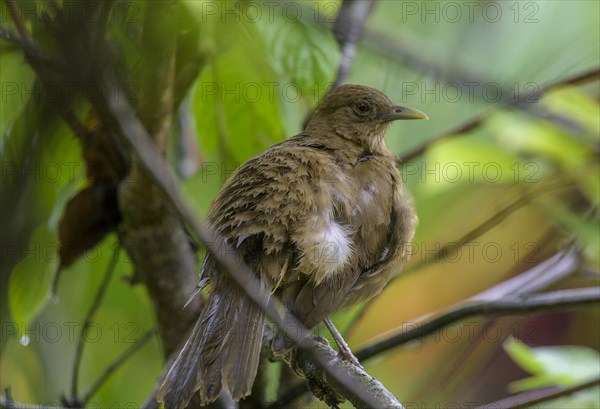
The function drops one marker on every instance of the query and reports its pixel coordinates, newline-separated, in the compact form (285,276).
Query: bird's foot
(343,349)
(346,354)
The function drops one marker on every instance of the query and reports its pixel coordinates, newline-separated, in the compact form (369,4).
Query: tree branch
(40,63)
(348,29)
(515,102)
(356,379)
(151,233)
(110,369)
(450,248)
(19,24)
(540,276)
(537,278)
(88,319)
(518,305)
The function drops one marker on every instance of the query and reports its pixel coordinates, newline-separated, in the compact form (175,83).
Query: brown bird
(324,221)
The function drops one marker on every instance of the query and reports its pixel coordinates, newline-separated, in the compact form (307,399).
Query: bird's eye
(362,107)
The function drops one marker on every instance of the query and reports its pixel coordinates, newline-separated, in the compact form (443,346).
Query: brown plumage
(323,219)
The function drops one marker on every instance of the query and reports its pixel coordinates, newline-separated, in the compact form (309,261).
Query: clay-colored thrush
(323,219)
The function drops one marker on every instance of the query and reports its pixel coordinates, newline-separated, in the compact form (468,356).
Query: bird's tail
(223,351)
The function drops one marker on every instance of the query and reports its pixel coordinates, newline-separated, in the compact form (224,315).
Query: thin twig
(515,305)
(108,371)
(530,398)
(19,24)
(8,403)
(88,320)
(36,59)
(348,30)
(516,102)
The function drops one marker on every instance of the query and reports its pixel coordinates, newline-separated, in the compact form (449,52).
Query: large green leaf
(237,114)
(301,53)
(17,86)
(31,279)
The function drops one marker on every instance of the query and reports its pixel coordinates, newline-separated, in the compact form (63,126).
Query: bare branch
(356,379)
(515,305)
(152,235)
(110,369)
(515,102)
(540,276)
(39,62)
(450,248)
(348,30)
(19,24)
(88,320)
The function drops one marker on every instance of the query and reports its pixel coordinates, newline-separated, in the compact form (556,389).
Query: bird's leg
(343,348)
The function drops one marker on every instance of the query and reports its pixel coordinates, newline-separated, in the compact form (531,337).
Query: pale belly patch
(327,248)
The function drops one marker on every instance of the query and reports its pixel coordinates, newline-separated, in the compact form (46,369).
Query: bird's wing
(261,204)
(396,251)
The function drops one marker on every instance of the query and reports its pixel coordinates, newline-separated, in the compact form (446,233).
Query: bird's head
(360,114)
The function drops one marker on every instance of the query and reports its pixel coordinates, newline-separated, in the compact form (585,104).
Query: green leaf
(305,54)
(31,279)
(522,355)
(237,112)
(17,86)
(63,195)
(564,365)
(39,159)
(207,180)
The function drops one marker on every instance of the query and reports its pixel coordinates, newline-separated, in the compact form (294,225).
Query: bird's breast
(325,238)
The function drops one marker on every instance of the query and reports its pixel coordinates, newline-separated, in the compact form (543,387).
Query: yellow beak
(402,113)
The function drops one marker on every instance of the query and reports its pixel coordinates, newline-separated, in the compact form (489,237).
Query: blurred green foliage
(564,366)
(253,71)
